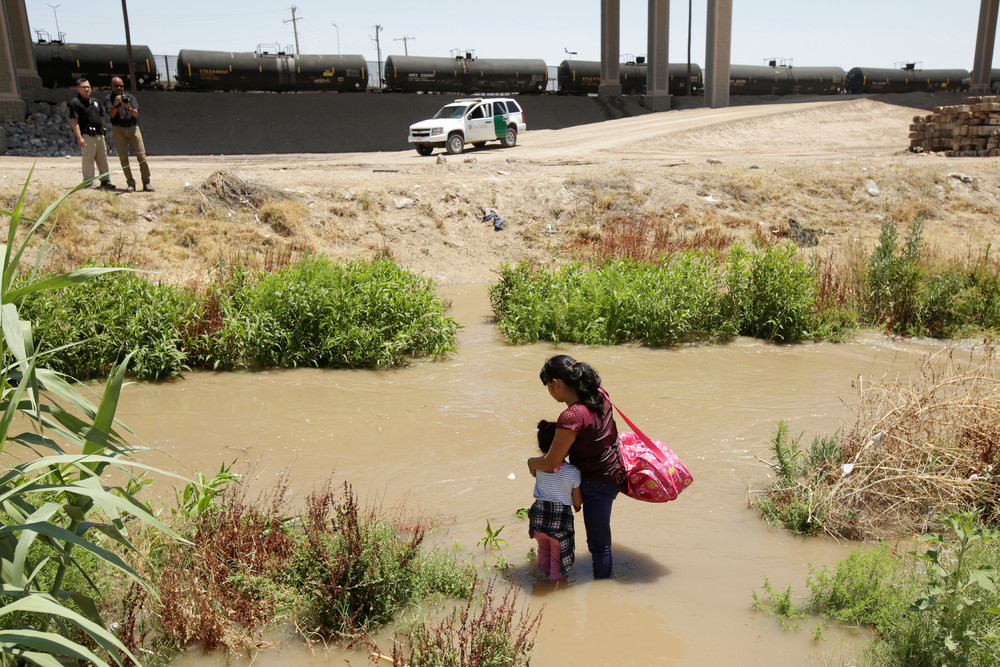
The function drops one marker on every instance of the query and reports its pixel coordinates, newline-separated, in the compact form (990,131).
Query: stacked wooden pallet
(969,129)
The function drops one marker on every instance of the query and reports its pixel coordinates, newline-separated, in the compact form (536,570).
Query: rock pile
(44,132)
(969,129)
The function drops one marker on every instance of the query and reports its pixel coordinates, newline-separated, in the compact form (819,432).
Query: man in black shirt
(123,110)
(88,125)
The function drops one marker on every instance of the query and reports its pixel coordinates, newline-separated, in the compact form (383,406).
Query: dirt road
(740,172)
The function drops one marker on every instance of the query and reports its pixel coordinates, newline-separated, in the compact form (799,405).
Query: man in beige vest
(123,110)
(87,121)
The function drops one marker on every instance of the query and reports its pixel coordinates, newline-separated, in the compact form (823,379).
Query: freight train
(59,65)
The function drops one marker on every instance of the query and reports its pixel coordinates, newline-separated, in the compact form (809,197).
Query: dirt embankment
(835,166)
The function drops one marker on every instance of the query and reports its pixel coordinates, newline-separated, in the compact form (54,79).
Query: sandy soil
(741,172)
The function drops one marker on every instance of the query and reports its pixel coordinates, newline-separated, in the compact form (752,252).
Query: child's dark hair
(577,374)
(546,433)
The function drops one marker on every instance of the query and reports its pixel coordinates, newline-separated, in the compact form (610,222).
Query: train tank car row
(59,65)
(906,80)
(582,77)
(266,71)
(464,75)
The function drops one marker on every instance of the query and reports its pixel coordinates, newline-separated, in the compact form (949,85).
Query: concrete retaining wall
(187,123)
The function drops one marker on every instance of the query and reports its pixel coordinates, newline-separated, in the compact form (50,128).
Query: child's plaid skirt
(556,521)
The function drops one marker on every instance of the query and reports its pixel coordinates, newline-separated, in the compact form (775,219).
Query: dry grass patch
(919,449)
(287,218)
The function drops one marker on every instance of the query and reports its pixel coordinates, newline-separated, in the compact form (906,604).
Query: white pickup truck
(469,121)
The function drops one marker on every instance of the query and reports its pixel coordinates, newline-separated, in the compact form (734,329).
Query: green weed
(941,607)
(488,632)
(310,313)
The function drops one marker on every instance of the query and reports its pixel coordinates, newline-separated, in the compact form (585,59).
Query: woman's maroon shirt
(595,450)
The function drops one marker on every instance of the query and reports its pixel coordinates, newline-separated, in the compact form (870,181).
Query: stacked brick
(969,129)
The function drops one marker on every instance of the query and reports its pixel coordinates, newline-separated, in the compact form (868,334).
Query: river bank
(709,176)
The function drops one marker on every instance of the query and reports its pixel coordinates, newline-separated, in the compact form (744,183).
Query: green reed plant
(60,511)
(792,501)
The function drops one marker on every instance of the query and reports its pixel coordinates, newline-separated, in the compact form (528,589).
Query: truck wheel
(456,142)
(424,149)
(510,137)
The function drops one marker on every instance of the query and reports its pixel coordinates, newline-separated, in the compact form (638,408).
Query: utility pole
(295,28)
(403,40)
(128,48)
(688,89)
(338,37)
(378,51)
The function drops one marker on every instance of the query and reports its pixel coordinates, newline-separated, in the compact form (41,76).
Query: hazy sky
(846,33)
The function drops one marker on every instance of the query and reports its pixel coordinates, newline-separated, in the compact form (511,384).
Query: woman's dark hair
(577,374)
(546,434)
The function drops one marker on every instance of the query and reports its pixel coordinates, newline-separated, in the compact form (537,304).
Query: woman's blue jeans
(598,496)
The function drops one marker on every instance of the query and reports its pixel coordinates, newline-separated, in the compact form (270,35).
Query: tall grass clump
(65,523)
(687,296)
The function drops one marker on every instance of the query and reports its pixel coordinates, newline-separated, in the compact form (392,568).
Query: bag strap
(642,436)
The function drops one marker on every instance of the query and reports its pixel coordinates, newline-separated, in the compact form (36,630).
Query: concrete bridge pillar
(985,37)
(17,63)
(611,85)
(657,60)
(717,47)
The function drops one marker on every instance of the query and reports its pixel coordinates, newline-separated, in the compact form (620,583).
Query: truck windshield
(452,111)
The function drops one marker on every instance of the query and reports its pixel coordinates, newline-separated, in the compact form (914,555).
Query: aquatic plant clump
(486,632)
(107,318)
(311,313)
(936,605)
(769,294)
(359,315)
(336,572)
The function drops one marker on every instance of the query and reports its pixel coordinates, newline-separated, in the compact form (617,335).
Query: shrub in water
(110,317)
(771,293)
(614,302)
(688,296)
(363,314)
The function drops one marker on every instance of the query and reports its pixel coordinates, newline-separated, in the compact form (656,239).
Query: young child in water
(550,516)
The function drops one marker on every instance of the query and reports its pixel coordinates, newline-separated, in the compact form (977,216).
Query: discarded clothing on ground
(497,220)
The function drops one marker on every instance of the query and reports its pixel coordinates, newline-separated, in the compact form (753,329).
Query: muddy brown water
(443,439)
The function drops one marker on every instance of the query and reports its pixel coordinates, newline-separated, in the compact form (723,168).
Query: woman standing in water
(587,432)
